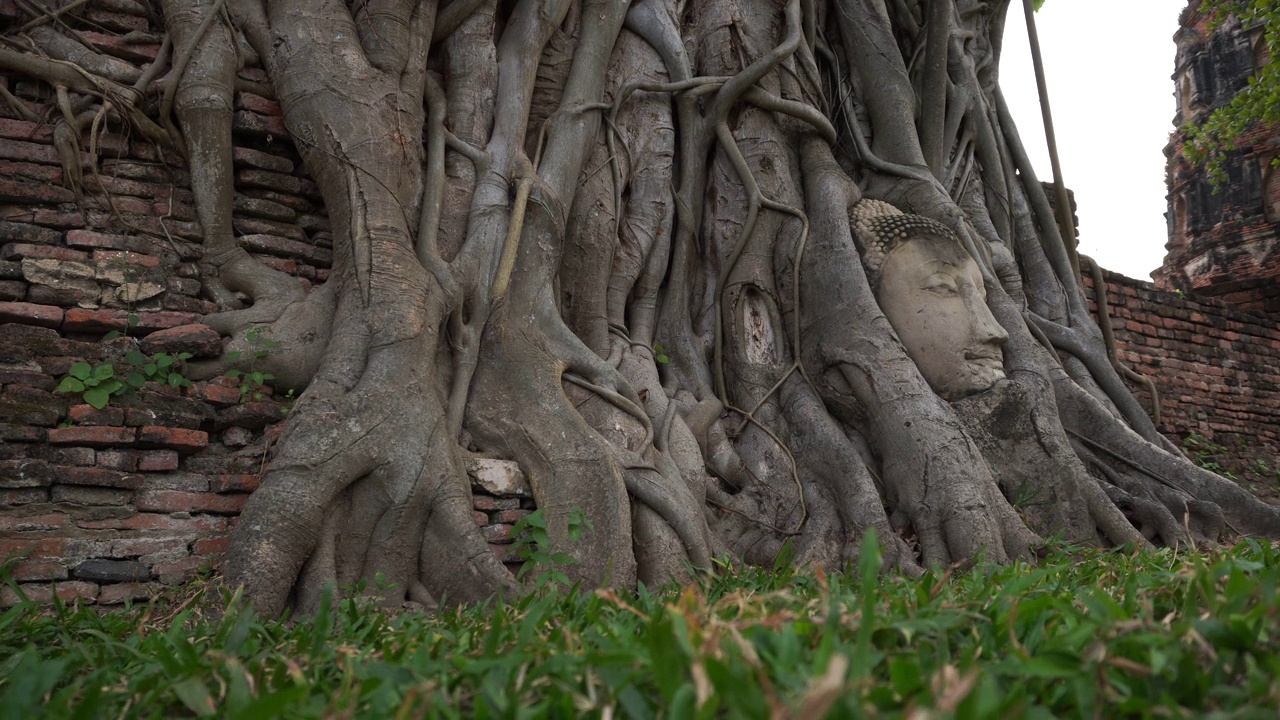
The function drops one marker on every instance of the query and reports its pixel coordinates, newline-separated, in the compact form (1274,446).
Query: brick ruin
(114,503)
(1223,242)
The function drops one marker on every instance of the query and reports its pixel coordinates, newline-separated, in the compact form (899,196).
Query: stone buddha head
(931,291)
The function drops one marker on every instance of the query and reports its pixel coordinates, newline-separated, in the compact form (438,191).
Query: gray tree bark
(527,199)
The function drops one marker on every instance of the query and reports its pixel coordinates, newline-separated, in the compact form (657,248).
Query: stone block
(498,477)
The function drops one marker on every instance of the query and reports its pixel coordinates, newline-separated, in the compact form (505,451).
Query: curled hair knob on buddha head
(932,293)
(880,228)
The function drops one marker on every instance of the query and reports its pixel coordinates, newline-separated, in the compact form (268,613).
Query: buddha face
(932,293)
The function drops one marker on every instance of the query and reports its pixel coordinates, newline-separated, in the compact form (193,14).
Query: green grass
(1084,634)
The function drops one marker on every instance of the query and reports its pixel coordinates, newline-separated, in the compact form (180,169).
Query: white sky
(1108,65)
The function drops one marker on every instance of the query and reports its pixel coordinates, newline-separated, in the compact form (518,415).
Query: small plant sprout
(252,381)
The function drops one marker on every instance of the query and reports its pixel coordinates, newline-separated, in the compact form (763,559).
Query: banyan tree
(721,276)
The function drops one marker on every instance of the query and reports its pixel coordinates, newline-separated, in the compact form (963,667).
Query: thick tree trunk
(627,246)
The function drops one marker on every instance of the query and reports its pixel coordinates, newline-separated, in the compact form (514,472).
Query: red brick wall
(1217,367)
(113,503)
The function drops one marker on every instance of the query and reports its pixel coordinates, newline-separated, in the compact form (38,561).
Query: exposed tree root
(612,242)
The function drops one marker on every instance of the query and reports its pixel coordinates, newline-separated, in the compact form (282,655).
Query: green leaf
(233,374)
(195,695)
(233,356)
(135,379)
(112,336)
(97,397)
(163,361)
(80,370)
(69,385)
(135,358)
(103,371)
(132,320)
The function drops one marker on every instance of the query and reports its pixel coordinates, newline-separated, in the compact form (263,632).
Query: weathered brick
(30,314)
(488,502)
(245,157)
(31,406)
(122,460)
(90,415)
(126,258)
(256,103)
(77,495)
(511,516)
(251,123)
(29,152)
(68,592)
(176,501)
(179,439)
(111,571)
(49,547)
(176,571)
(97,477)
(64,455)
(184,481)
(157,521)
(251,415)
(26,251)
(12,290)
(496,533)
(25,130)
(21,433)
(46,521)
(120,593)
(201,341)
(20,232)
(17,191)
(100,321)
(91,240)
(268,180)
(48,217)
(158,461)
(258,208)
(140,546)
(39,570)
(92,436)
(211,546)
(23,496)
